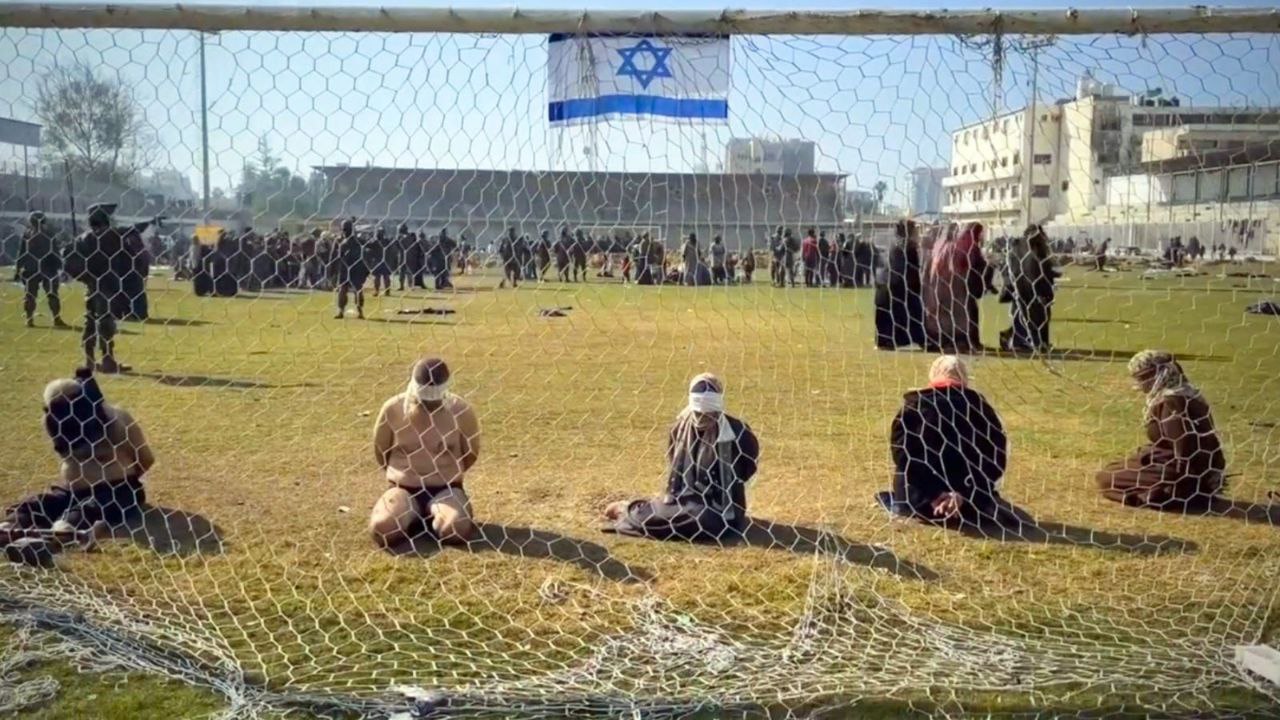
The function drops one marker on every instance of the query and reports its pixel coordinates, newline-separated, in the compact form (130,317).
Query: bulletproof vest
(40,246)
(103,259)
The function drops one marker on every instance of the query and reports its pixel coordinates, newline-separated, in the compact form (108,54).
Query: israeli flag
(673,77)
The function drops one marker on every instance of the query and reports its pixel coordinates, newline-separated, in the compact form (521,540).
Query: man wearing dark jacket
(949,453)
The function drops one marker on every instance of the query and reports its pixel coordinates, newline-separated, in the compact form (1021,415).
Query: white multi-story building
(1080,145)
(987,176)
(770,157)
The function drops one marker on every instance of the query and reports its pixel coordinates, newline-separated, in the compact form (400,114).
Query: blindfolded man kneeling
(425,440)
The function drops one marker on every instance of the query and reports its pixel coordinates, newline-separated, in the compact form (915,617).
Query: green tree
(268,188)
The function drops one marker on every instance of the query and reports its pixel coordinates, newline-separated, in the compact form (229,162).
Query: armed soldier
(39,265)
(98,259)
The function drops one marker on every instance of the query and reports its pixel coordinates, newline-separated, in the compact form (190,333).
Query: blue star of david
(658,69)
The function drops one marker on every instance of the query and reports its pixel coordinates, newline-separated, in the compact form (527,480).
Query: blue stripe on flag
(562,110)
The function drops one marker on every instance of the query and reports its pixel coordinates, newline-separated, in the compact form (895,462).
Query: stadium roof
(475,172)
(1249,154)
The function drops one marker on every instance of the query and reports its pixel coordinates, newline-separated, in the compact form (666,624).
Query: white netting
(425,169)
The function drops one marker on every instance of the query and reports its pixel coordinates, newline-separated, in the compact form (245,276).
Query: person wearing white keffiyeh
(425,440)
(1182,467)
(711,455)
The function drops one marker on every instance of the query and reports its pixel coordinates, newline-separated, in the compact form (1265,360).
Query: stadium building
(743,208)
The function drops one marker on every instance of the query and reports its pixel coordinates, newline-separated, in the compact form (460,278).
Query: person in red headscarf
(957,278)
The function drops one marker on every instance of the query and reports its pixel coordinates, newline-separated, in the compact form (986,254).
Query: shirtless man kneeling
(104,455)
(425,440)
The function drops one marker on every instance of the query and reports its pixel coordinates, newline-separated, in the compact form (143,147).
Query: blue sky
(876,107)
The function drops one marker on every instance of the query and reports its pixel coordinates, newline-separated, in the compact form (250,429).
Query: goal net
(880,533)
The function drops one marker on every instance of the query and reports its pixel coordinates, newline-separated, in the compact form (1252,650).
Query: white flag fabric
(678,77)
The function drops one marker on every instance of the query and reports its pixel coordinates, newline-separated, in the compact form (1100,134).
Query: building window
(1040,159)
(1039,191)
(1004,127)
(1003,193)
(1004,161)
(1064,185)
(1013,192)
(966,137)
(973,167)
(1017,158)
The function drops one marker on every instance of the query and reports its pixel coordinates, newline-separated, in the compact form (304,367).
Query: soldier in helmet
(353,270)
(98,259)
(39,265)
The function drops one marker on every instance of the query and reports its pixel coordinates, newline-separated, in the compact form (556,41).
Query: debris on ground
(562,311)
(1265,307)
(426,311)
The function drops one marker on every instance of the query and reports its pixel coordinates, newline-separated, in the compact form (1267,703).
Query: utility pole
(1032,46)
(204,128)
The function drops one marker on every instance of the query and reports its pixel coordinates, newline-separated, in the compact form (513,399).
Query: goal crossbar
(1068,21)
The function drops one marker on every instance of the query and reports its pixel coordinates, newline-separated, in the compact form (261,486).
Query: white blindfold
(431,393)
(706,402)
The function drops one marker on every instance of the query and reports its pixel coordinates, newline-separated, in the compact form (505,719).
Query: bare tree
(94,123)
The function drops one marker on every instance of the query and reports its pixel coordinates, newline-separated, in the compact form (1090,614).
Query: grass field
(260,410)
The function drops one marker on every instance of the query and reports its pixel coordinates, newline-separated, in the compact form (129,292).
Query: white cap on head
(62,388)
(949,368)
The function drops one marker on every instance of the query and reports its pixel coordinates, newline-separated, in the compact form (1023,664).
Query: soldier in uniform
(39,265)
(352,270)
(98,259)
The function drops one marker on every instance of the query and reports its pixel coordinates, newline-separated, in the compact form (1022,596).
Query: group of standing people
(530,261)
(847,262)
(929,295)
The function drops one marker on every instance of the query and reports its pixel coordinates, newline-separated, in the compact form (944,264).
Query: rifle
(141,227)
(71,193)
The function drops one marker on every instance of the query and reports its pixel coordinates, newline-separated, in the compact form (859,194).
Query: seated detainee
(425,439)
(104,455)
(711,455)
(1182,467)
(949,452)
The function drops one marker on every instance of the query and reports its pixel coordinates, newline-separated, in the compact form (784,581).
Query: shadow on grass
(1092,321)
(1017,525)
(205,381)
(119,330)
(169,531)
(1246,512)
(258,296)
(802,540)
(176,322)
(1091,355)
(529,543)
(413,320)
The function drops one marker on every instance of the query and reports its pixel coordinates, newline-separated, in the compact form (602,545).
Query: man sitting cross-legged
(425,439)
(711,456)
(104,455)
(949,453)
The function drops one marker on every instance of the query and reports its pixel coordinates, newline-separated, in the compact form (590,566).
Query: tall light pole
(204,128)
(1032,46)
